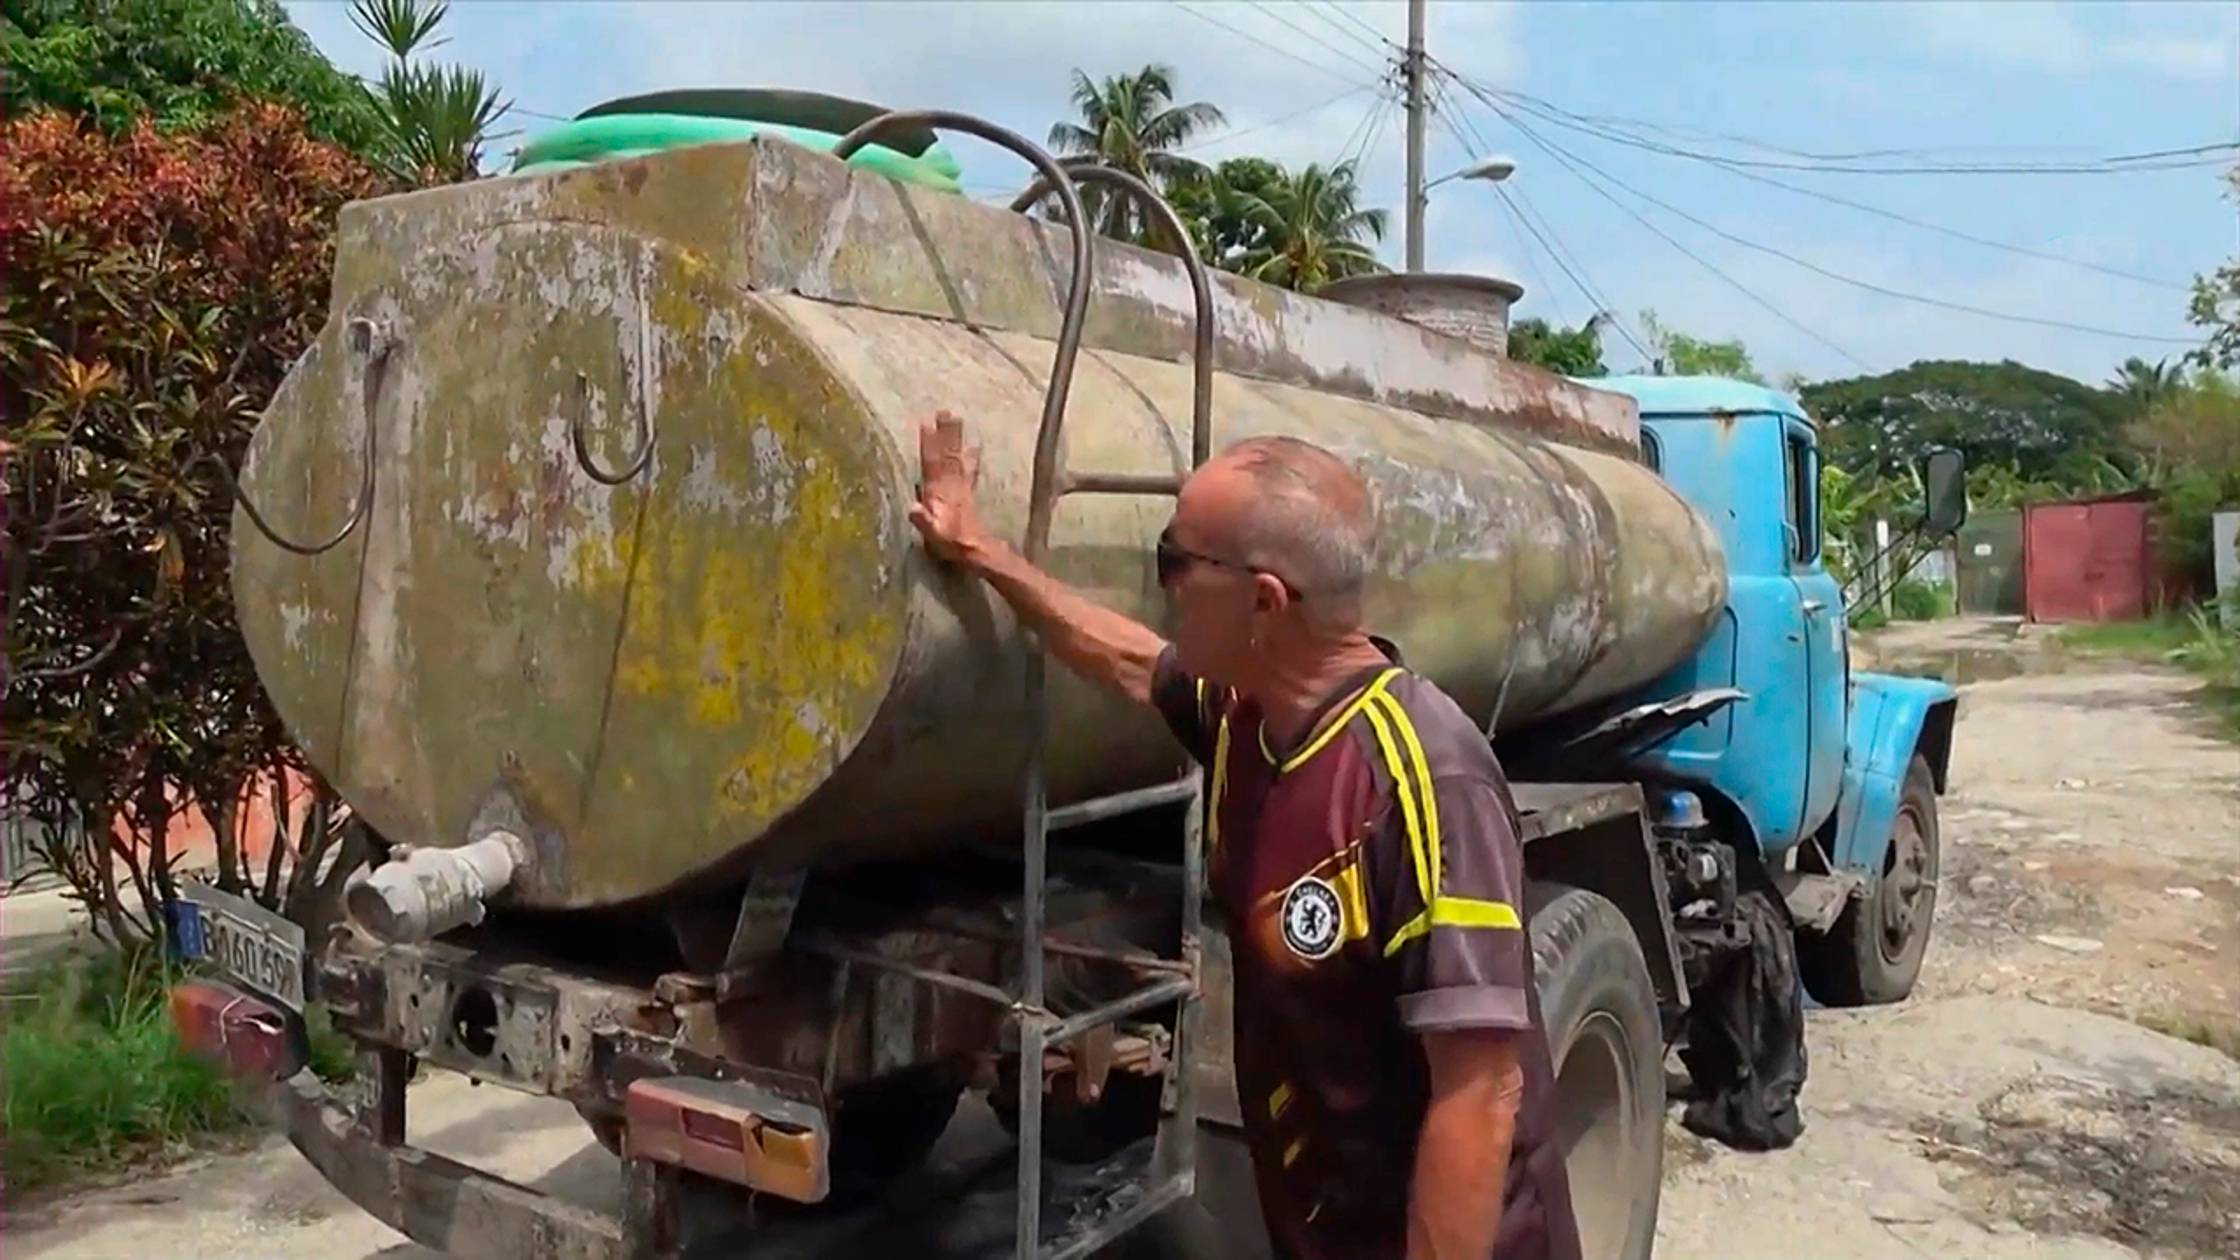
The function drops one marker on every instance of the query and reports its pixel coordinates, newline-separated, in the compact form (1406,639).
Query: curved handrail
(1043,497)
(371,341)
(1086,169)
(584,459)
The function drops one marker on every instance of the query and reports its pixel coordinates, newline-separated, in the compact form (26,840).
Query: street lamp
(1492,170)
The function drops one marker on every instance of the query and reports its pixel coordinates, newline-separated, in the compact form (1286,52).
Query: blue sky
(2006,82)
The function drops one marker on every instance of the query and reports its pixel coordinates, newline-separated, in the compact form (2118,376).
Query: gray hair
(1312,523)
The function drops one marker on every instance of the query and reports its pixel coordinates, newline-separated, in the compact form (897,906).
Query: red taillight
(247,1036)
(730,1131)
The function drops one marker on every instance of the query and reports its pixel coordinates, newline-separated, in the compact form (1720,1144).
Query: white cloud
(2203,42)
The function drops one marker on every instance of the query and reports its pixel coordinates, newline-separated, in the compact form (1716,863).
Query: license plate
(242,940)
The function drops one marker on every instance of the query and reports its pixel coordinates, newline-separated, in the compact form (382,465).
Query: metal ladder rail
(1189,788)
(1037,1027)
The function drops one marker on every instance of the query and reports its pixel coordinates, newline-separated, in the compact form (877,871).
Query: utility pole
(1414,69)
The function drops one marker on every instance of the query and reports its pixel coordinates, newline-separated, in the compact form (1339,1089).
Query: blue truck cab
(1822,780)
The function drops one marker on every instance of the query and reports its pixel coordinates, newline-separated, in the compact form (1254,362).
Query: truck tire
(885,1128)
(1606,1043)
(1873,953)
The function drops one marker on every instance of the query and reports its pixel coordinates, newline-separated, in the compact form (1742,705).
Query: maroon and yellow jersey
(1372,882)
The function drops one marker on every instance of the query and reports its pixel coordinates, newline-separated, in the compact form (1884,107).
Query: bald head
(1296,510)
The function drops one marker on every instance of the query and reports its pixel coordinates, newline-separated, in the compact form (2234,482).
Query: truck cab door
(1826,673)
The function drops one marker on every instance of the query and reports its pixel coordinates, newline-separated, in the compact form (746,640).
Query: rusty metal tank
(737,651)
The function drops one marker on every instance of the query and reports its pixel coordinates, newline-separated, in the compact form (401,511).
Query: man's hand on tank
(946,513)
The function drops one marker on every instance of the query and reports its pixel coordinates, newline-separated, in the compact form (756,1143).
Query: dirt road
(2018,1106)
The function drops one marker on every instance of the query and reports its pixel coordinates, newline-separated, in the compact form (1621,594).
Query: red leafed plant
(154,288)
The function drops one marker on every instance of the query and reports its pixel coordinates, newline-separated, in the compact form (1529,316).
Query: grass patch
(92,1078)
(2195,641)
(91,1075)
(2148,640)
(2222,1036)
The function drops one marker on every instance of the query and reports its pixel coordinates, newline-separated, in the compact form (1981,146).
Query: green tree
(1564,351)
(435,118)
(2215,305)
(1683,355)
(180,63)
(2040,425)
(1131,123)
(2191,439)
(1314,229)
(1214,209)
(2142,385)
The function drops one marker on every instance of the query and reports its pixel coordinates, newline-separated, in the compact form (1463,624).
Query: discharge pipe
(427,892)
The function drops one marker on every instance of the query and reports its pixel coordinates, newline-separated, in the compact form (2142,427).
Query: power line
(1349,58)
(2116,164)
(1242,34)
(1375,43)
(2218,147)
(1372,31)
(1556,115)
(1475,145)
(1532,260)
(1574,163)
(1661,234)
(1447,116)
(1360,128)
(1277,121)
(1547,239)
(1924,224)
(1621,121)
(1376,131)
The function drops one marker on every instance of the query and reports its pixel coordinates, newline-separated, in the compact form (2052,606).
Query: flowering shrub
(154,288)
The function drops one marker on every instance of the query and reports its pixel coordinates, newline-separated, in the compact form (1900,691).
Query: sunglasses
(1173,559)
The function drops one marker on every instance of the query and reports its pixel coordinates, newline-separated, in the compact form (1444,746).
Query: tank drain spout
(427,892)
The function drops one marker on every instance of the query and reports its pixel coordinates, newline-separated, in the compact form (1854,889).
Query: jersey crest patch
(1313,919)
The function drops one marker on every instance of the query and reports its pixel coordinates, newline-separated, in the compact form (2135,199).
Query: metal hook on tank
(370,341)
(584,458)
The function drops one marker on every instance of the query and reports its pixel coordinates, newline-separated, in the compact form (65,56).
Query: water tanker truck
(575,555)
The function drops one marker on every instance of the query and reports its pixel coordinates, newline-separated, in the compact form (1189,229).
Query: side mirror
(1944,484)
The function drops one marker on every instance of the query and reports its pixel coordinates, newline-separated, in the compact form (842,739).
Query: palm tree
(435,118)
(1131,123)
(2142,384)
(1315,229)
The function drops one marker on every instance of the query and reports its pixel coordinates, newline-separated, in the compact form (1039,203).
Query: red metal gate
(2088,561)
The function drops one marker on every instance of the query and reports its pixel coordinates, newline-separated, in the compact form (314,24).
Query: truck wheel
(1604,1039)
(1873,953)
(885,1128)
(606,1128)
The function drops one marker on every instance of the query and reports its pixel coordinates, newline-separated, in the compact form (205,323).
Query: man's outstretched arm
(1108,648)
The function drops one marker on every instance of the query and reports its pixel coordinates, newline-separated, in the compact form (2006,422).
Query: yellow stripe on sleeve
(1456,912)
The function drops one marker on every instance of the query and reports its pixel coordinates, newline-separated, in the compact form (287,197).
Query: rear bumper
(436,1202)
(440,1203)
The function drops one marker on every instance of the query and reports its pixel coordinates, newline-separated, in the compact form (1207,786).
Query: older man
(1363,851)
